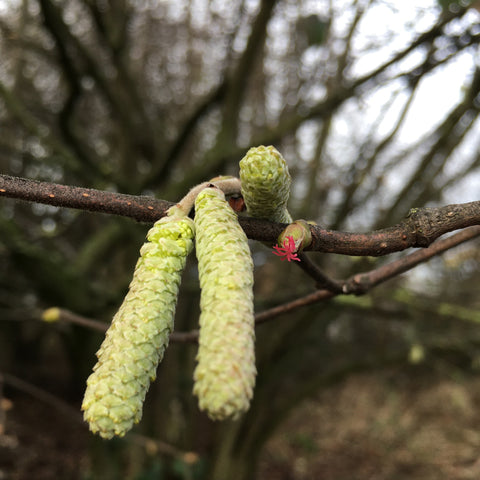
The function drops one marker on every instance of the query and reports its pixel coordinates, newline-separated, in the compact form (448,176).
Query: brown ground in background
(38,443)
(389,430)
(368,428)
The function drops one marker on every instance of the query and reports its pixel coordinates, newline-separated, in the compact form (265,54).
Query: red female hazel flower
(288,251)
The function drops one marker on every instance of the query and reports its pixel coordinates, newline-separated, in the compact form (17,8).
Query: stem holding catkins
(227,184)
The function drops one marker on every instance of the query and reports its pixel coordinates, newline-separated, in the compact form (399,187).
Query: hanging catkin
(138,335)
(265,184)
(225,374)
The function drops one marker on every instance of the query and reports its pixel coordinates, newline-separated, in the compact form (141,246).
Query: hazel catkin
(138,335)
(265,184)
(225,373)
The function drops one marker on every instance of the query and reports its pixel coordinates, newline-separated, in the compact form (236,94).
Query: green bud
(265,184)
(138,335)
(225,373)
(51,315)
(299,230)
(416,354)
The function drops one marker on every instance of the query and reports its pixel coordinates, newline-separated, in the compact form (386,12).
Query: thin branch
(420,228)
(323,281)
(357,284)
(361,283)
(70,317)
(314,297)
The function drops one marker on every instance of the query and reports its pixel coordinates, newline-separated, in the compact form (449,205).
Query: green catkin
(265,184)
(138,335)
(225,373)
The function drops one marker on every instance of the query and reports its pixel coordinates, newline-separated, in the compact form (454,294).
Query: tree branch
(140,208)
(357,284)
(67,316)
(323,281)
(361,283)
(420,228)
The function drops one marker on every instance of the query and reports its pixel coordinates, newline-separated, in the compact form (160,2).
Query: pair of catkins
(135,342)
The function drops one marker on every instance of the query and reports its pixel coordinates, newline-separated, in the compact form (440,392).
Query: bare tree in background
(151,98)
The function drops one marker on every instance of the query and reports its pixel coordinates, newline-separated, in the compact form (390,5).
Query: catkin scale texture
(138,335)
(265,184)
(225,373)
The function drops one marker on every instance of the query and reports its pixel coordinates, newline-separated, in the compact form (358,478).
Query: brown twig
(70,317)
(361,283)
(314,297)
(141,208)
(323,280)
(357,284)
(421,227)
